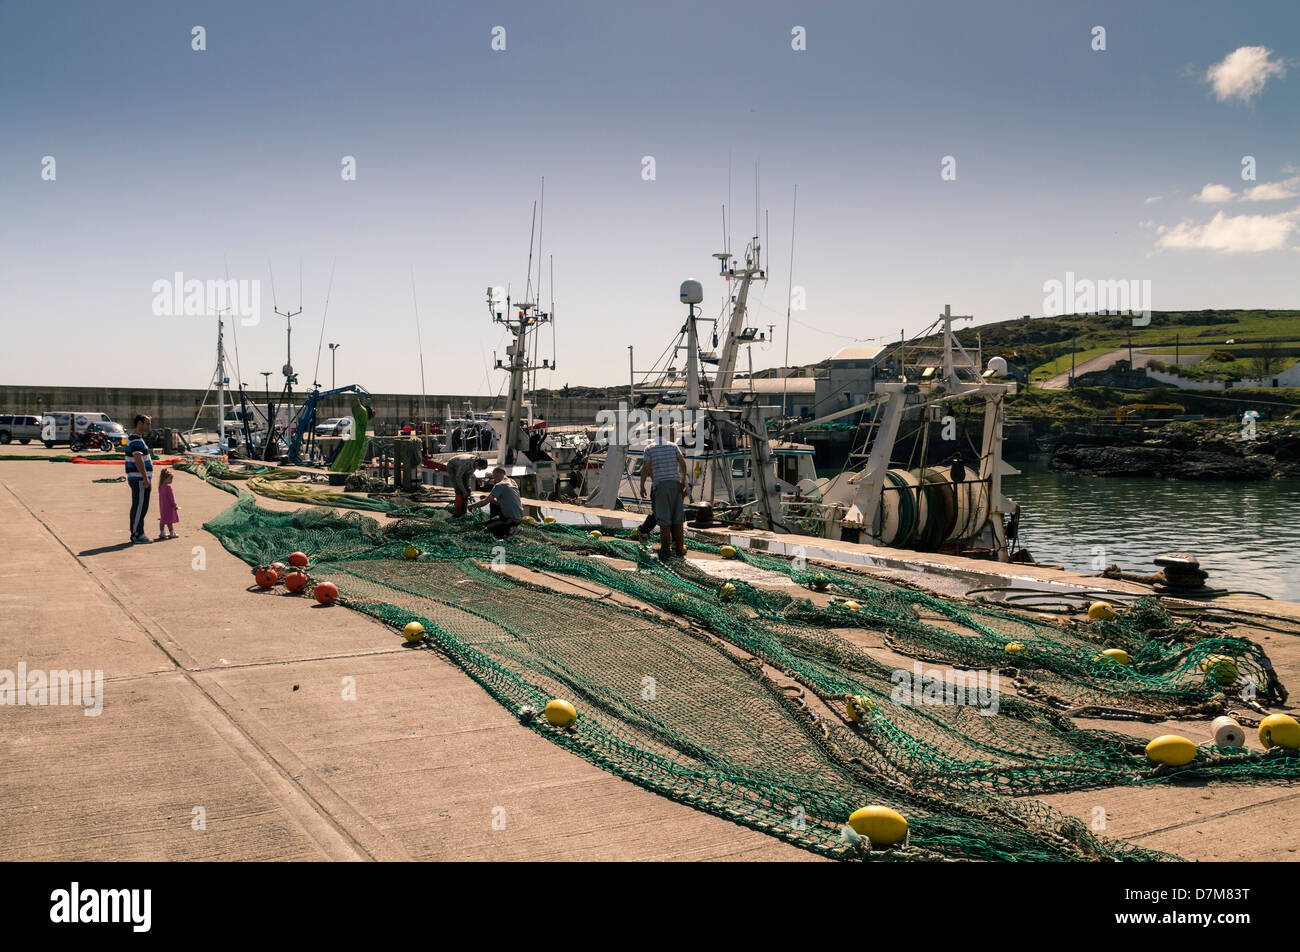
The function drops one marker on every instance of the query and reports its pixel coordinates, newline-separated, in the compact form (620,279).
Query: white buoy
(1227,732)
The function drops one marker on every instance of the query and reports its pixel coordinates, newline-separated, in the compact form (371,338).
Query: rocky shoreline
(1183,451)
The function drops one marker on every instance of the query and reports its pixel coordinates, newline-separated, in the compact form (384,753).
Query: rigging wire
(239,374)
(315,376)
(420,342)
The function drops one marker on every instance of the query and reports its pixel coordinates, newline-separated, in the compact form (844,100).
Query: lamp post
(333,349)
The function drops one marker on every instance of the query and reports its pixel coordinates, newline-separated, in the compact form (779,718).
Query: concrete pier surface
(242,725)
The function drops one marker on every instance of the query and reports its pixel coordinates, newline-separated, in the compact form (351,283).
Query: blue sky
(1068,159)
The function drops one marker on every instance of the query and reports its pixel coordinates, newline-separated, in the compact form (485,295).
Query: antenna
(727,246)
(541,222)
(552,313)
(289,376)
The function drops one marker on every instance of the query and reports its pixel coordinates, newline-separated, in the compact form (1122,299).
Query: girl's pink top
(167,513)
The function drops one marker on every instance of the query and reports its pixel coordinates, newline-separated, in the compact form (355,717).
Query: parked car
(19,427)
(59,426)
(336,426)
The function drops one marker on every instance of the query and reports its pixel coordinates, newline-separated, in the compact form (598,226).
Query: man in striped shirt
(139,475)
(665,462)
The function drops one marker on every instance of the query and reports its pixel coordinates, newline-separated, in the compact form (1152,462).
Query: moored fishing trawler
(735,470)
(954,507)
(743,470)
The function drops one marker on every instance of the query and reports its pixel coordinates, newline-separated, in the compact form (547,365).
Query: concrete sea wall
(176,408)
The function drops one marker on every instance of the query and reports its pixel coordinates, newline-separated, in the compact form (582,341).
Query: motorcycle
(92,440)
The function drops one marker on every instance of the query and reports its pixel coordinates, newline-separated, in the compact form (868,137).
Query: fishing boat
(744,469)
(956,507)
(735,470)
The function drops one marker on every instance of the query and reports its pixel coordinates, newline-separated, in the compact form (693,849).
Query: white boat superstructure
(953,507)
(734,469)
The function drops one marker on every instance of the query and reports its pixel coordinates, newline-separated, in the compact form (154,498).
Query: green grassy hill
(1042,346)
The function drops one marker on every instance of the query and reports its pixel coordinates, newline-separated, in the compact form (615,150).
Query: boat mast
(517,319)
(746,275)
(692,350)
(222,380)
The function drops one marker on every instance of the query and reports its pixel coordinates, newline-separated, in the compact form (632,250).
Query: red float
(295,581)
(326,593)
(265,576)
(298,559)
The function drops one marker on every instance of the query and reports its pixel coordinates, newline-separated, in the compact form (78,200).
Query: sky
(224,162)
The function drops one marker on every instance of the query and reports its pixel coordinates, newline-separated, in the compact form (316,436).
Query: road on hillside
(1103,362)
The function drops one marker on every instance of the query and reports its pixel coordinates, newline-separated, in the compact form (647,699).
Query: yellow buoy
(413,631)
(881,825)
(595,535)
(727,592)
(1014,647)
(1220,668)
(1118,655)
(1280,730)
(411,552)
(560,713)
(727,551)
(821,582)
(1101,611)
(1172,750)
(859,703)
(634,534)
(548,520)
(851,606)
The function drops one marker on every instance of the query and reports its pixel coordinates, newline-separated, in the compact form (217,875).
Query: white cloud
(1272,191)
(1214,194)
(1151,200)
(1241,74)
(1230,234)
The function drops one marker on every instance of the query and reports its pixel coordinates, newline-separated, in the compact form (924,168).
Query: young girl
(168,511)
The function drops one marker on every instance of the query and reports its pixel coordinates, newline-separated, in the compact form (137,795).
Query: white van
(57,426)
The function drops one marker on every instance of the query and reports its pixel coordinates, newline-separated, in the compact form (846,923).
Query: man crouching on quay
(664,460)
(507,511)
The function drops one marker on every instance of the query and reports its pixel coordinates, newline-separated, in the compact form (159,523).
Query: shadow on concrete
(106,548)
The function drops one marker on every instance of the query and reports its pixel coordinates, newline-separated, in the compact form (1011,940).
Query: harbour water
(1246,535)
